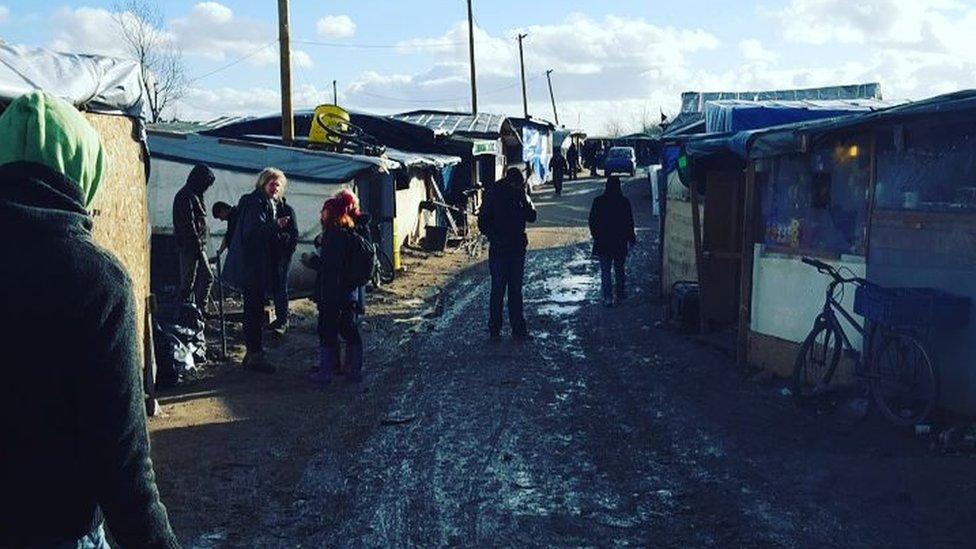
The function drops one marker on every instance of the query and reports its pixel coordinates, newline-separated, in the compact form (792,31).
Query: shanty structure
(110,94)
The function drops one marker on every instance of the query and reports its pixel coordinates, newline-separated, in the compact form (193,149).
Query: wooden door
(721,246)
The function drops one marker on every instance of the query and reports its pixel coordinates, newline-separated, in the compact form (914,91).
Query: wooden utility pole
(335,94)
(525,99)
(474,82)
(284,46)
(552,97)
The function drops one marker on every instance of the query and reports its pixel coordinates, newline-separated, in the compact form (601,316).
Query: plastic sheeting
(97,83)
(309,165)
(734,115)
(693,102)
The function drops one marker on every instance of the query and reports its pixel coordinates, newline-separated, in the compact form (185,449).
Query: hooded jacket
(189,211)
(72,412)
(503,218)
(611,222)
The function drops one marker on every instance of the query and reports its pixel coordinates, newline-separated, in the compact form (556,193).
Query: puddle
(558,310)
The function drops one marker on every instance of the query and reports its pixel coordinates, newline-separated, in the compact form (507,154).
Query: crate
(923,307)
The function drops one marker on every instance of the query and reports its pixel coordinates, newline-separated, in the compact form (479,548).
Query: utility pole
(335,94)
(525,99)
(551,96)
(284,46)
(474,82)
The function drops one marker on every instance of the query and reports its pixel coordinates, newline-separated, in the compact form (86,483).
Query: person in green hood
(75,450)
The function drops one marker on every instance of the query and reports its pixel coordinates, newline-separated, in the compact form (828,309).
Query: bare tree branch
(162,71)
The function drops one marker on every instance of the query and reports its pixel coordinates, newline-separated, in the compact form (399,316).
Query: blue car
(620,159)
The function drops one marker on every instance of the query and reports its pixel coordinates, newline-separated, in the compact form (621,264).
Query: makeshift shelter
(890,195)
(109,91)
(391,188)
(703,191)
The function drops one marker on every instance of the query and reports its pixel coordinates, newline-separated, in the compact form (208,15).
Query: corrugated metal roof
(455,122)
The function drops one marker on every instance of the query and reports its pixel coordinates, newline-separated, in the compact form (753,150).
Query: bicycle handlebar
(819,265)
(830,270)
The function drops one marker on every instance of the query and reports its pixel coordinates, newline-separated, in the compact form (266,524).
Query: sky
(615,63)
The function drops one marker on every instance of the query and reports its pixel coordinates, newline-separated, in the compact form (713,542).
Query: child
(336,299)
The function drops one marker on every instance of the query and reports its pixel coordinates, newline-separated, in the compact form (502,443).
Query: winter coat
(251,257)
(287,238)
(72,411)
(334,247)
(503,217)
(611,224)
(558,166)
(189,211)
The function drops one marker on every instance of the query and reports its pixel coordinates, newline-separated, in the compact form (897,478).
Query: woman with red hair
(335,295)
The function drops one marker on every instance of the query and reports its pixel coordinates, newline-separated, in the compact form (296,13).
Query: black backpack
(360,261)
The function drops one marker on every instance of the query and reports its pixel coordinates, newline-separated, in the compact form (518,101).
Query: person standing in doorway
(251,260)
(612,228)
(75,453)
(190,230)
(286,243)
(558,167)
(502,219)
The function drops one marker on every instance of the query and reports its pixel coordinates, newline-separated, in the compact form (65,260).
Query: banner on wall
(534,154)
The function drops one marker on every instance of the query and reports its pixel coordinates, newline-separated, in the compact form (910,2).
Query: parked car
(620,159)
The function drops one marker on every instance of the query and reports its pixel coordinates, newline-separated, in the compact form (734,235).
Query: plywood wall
(120,209)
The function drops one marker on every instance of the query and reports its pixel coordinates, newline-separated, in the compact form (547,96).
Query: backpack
(360,261)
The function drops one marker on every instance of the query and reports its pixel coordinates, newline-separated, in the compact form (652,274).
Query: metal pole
(220,308)
(284,46)
(474,82)
(525,100)
(552,97)
(335,94)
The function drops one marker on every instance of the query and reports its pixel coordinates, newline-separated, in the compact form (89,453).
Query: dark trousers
(507,269)
(617,264)
(557,182)
(338,320)
(195,276)
(281,289)
(254,299)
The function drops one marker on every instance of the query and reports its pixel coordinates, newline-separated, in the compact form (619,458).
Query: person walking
(342,265)
(286,243)
(558,167)
(502,219)
(572,158)
(190,230)
(612,228)
(75,451)
(251,260)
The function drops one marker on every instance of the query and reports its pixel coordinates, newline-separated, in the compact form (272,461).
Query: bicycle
(895,365)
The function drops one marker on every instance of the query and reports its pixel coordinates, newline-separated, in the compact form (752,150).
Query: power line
(234,62)
(401,45)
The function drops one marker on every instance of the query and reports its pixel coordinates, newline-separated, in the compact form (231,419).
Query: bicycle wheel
(903,379)
(817,360)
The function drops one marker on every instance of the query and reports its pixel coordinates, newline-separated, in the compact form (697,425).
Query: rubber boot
(327,360)
(354,362)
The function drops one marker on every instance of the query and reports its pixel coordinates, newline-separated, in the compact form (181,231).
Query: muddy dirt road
(606,429)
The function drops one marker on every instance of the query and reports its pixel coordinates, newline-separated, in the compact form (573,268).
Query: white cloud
(201,103)
(753,50)
(336,26)
(4,13)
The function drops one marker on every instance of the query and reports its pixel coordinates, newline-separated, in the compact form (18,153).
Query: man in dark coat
(612,228)
(285,246)
(190,230)
(558,167)
(572,158)
(74,450)
(504,213)
(251,260)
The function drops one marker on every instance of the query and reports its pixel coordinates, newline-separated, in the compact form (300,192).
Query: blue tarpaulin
(733,116)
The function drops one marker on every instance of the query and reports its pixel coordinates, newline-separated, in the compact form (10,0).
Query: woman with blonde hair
(251,259)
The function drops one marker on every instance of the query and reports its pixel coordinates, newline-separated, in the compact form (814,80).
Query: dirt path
(606,429)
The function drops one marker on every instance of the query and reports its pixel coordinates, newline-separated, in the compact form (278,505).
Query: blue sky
(615,62)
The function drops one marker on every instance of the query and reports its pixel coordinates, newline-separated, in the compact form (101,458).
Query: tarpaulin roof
(695,101)
(482,123)
(789,139)
(233,154)
(97,83)
(737,115)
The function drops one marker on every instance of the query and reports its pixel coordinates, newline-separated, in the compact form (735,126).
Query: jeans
(507,268)
(281,290)
(195,276)
(619,275)
(253,318)
(336,320)
(92,540)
